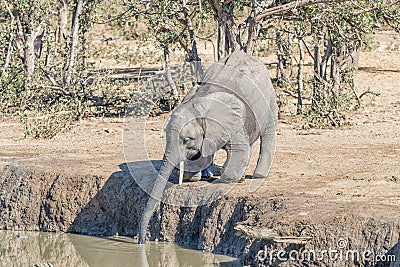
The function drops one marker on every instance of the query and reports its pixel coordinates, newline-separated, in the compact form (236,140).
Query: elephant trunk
(155,197)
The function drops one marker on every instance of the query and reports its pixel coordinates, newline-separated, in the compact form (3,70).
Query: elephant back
(247,78)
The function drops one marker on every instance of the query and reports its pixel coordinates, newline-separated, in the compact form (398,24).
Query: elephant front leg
(267,148)
(238,155)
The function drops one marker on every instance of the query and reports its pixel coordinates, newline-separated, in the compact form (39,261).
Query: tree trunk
(168,74)
(62,20)
(74,41)
(227,30)
(194,59)
(10,42)
(283,73)
(29,53)
(251,30)
(300,77)
(335,75)
(84,38)
(29,58)
(325,59)
(316,82)
(226,35)
(8,55)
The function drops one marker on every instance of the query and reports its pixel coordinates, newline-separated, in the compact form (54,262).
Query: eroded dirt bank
(43,201)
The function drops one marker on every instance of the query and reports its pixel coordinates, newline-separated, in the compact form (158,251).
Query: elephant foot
(258,176)
(230,180)
(194,178)
(188,176)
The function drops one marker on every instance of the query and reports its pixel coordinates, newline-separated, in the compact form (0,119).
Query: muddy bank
(44,201)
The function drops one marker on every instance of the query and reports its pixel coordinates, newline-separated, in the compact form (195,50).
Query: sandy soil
(330,170)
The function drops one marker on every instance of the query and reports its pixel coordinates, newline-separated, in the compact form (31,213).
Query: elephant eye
(187,140)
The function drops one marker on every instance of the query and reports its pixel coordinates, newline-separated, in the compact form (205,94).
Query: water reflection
(30,248)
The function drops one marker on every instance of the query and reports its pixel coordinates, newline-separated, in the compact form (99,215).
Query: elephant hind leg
(267,148)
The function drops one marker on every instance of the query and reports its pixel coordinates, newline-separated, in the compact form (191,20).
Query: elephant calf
(234,105)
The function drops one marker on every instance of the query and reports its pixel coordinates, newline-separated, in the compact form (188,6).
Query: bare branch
(368,92)
(168,74)
(293,5)
(10,41)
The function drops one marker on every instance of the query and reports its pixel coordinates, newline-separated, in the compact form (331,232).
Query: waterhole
(51,249)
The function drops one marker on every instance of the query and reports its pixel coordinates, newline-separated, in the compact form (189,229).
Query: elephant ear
(222,118)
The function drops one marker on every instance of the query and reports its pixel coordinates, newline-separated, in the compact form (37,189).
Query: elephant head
(198,127)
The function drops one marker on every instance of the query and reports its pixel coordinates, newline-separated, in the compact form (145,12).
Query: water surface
(30,248)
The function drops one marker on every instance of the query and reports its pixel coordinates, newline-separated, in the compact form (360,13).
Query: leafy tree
(332,31)
(42,79)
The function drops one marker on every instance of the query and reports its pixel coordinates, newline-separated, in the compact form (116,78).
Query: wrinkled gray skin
(233,106)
